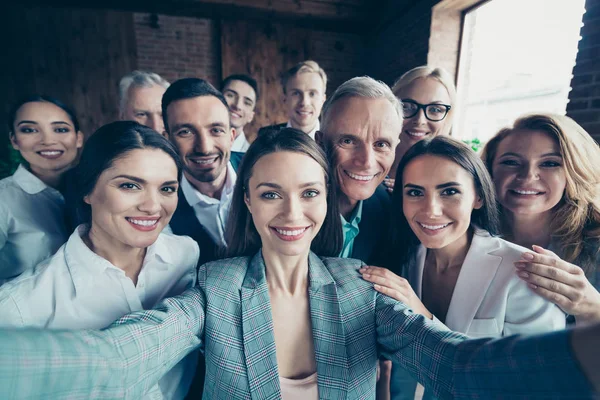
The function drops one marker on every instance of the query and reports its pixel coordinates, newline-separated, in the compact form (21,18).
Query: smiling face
(144,107)
(134,199)
(199,128)
(241,100)
(364,135)
(529,173)
(423,91)
(303,100)
(288,208)
(45,136)
(438,198)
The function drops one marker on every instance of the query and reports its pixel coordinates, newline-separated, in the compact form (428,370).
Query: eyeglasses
(433,112)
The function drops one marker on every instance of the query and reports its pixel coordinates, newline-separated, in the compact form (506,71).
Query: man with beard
(196,117)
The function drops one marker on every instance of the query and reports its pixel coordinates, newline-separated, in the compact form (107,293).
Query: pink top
(299,389)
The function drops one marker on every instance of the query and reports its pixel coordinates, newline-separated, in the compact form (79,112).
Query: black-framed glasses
(433,112)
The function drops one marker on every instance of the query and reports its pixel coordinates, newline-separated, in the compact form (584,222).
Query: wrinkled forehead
(366,119)
(146,97)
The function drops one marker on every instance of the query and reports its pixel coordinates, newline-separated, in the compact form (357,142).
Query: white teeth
(205,162)
(416,134)
(360,177)
(434,227)
(143,222)
(50,153)
(525,191)
(290,233)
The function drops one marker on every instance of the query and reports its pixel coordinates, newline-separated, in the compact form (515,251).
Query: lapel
(327,327)
(372,227)
(415,275)
(328,331)
(257,329)
(476,275)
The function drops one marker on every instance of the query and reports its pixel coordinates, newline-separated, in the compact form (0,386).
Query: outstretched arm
(122,361)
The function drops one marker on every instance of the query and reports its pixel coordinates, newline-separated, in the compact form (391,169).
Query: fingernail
(376,286)
(531,285)
(520,265)
(528,256)
(523,274)
(366,275)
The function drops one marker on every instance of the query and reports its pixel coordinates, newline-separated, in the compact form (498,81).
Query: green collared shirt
(351,230)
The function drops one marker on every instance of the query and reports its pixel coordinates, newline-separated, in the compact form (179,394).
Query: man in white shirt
(140,94)
(304,88)
(241,94)
(196,118)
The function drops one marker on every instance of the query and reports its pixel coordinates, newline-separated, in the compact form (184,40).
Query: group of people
(298,262)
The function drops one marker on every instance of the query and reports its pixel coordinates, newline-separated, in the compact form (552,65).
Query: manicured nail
(520,265)
(528,256)
(523,274)
(531,285)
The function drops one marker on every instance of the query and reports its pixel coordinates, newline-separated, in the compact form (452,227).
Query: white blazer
(489,299)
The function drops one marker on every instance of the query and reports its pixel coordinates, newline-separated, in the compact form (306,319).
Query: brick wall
(584,98)
(178,47)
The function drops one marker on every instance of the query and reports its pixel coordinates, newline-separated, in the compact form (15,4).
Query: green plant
(474,144)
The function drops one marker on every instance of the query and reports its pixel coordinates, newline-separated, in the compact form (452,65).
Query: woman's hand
(390,284)
(560,282)
(389,184)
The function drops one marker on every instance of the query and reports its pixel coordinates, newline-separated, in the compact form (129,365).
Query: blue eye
(270,195)
(311,193)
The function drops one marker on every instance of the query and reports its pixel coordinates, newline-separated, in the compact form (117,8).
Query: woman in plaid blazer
(281,314)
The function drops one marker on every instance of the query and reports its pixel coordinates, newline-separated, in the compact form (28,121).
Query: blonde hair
(576,222)
(301,68)
(437,73)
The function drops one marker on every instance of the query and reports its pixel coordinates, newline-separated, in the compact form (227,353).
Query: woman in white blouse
(118,261)
(32,211)
(444,218)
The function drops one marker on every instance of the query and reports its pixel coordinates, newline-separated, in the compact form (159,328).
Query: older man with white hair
(140,95)
(360,127)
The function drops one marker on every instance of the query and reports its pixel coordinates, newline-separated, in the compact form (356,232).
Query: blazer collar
(476,275)
(327,328)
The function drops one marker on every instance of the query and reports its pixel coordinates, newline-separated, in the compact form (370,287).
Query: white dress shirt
(311,133)
(211,213)
(32,223)
(78,289)
(240,144)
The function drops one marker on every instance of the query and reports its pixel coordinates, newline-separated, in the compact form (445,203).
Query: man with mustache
(303,97)
(196,117)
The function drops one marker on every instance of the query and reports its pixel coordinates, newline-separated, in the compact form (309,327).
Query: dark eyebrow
(185,125)
(27,122)
(221,124)
(142,181)
(554,154)
(440,186)
(60,123)
(276,186)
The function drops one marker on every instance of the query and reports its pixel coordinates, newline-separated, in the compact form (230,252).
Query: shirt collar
(27,181)
(84,265)
(355,217)
(311,133)
(194,196)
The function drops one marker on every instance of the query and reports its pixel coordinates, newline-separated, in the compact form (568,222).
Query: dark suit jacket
(268,128)
(184,222)
(373,228)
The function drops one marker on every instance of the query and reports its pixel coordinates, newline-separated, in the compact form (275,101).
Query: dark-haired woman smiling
(32,216)
(117,261)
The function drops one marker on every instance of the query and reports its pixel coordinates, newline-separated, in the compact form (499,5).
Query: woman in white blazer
(445,215)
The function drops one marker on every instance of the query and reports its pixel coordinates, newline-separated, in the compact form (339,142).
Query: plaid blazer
(229,316)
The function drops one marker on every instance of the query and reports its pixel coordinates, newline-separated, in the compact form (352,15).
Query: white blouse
(32,223)
(78,289)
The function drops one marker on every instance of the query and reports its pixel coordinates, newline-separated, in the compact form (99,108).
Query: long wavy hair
(576,222)
(242,237)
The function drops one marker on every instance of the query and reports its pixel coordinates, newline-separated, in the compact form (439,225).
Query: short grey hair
(362,86)
(138,79)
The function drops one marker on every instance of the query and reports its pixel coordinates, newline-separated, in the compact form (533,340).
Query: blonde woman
(428,95)
(547,176)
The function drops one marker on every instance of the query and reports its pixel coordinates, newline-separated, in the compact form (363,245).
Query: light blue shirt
(351,230)
(32,223)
